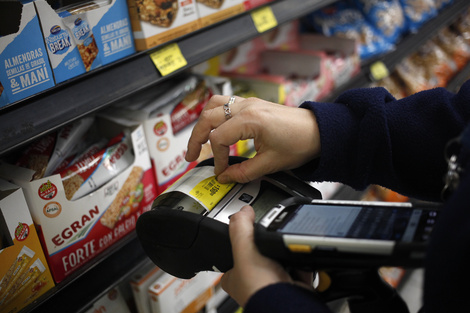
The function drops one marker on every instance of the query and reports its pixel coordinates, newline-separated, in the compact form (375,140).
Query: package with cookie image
(76,21)
(88,206)
(82,35)
(155,22)
(214,11)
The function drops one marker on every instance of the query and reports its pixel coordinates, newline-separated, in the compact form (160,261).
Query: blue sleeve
(285,298)
(369,137)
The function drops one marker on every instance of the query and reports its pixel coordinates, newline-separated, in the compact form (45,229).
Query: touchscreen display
(365,222)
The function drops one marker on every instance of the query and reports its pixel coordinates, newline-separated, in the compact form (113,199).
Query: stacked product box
(343,54)
(169,294)
(24,272)
(24,65)
(140,283)
(289,77)
(91,203)
(85,36)
(245,58)
(213,11)
(168,115)
(157,22)
(112,301)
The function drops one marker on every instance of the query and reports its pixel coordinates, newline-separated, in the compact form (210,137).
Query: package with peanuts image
(86,207)
(24,273)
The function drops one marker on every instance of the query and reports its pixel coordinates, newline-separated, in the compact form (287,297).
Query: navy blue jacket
(369,137)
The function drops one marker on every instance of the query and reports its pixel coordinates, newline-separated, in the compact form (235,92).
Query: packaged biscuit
(91,205)
(157,22)
(24,272)
(418,12)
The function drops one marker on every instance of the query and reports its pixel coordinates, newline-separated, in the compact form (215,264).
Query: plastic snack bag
(418,12)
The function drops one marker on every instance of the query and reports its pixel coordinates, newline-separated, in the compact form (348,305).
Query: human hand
(284,137)
(251,271)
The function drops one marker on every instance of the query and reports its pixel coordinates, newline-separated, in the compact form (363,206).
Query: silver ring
(227,111)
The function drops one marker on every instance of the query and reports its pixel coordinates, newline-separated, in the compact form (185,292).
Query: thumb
(241,231)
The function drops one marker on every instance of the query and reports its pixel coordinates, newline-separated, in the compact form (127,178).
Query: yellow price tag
(378,70)
(264,19)
(168,59)
(209,191)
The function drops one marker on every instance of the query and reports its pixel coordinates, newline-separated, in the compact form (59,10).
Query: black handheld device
(319,234)
(186,231)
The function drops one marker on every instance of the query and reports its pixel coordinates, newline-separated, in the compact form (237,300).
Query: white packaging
(169,294)
(140,283)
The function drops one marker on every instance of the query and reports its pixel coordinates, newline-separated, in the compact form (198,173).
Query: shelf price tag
(264,19)
(168,59)
(378,70)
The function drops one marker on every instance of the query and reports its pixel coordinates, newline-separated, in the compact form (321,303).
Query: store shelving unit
(30,118)
(26,120)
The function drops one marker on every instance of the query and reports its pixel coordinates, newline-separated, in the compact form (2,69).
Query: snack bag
(438,65)
(385,15)
(454,45)
(343,20)
(418,12)
(441,4)
(413,75)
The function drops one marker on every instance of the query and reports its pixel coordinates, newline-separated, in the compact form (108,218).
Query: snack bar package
(24,272)
(92,203)
(85,35)
(157,22)
(344,20)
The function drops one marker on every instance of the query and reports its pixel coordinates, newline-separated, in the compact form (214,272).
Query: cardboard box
(73,232)
(168,123)
(112,301)
(289,77)
(154,26)
(169,294)
(24,65)
(343,53)
(24,272)
(82,39)
(140,283)
(213,11)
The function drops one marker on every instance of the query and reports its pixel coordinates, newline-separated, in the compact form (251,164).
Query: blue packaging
(24,65)
(86,36)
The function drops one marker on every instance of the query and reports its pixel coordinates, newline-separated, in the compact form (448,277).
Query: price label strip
(378,70)
(264,19)
(201,185)
(168,59)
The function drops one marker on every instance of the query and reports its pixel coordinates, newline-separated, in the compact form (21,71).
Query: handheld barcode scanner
(186,231)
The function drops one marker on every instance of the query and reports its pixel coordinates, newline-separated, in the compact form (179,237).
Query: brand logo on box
(21,231)
(52,209)
(47,191)
(58,42)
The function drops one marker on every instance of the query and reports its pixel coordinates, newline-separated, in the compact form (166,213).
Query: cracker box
(140,283)
(169,294)
(213,11)
(82,38)
(24,65)
(73,232)
(24,272)
(157,22)
(342,52)
(290,77)
(112,301)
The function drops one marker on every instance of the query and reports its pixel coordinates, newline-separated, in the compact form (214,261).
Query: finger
(211,117)
(241,231)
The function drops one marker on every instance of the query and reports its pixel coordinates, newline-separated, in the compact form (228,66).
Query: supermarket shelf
(79,291)
(407,45)
(459,79)
(30,118)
